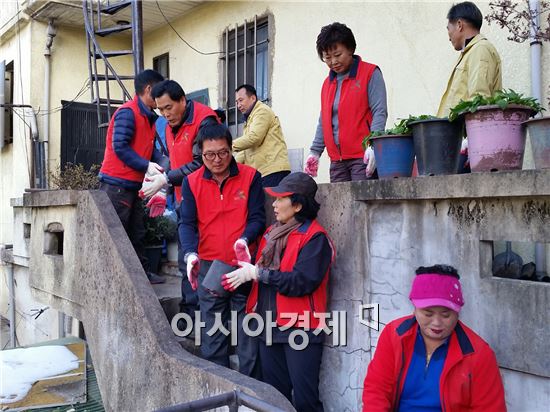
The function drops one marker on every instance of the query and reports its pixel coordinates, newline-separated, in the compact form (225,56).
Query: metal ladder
(93,11)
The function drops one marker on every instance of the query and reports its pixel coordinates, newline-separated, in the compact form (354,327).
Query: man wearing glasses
(221,211)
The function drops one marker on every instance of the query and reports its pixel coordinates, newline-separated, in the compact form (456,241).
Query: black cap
(295,183)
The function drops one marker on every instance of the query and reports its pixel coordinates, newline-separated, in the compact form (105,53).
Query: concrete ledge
(521,183)
(48,198)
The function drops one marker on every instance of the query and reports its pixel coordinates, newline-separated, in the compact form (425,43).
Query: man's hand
(154,169)
(370,161)
(193,265)
(152,184)
(157,204)
(245,273)
(312,165)
(241,250)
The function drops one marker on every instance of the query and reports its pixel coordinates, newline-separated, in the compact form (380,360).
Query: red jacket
(470,380)
(224,220)
(300,309)
(142,144)
(180,146)
(354,113)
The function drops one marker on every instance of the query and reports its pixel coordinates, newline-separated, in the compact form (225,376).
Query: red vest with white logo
(296,311)
(354,113)
(142,144)
(221,215)
(180,146)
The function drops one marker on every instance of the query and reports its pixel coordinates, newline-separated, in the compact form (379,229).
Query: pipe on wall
(50,34)
(536,92)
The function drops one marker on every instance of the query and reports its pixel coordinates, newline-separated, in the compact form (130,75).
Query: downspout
(536,92)
(50,34)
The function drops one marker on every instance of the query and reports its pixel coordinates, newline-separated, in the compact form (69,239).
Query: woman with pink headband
(431,361)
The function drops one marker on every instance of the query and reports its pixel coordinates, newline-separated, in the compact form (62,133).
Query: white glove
(370,161)
(312,165)
(245,273)
(193,265)
(152,184)
(241,250)
(154,169)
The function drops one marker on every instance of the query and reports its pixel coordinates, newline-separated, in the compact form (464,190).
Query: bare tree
(518,18)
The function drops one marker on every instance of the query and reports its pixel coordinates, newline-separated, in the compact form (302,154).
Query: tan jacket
(262,144)
(477,71)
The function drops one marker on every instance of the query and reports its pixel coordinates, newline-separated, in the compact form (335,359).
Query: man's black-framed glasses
(222,154)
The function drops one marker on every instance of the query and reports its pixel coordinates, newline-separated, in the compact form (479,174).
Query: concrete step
(169,295)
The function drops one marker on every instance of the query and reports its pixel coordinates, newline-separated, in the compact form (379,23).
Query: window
(245,60)
(200,96)
(7,112)
(161,64)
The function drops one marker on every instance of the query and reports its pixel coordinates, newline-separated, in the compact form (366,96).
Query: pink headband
(431,289)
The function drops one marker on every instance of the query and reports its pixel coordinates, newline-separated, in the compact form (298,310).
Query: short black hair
(331,35)
(214,132)
(250,90)
(439,269)
(146,78)
(170,87)
(310,207)
(466,11)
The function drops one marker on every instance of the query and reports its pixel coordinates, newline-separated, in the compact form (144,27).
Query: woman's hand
(245,273)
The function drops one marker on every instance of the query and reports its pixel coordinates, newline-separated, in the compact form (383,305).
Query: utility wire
(182,39)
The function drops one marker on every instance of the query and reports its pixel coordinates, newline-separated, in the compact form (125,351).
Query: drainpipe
(536,92)
(50,34)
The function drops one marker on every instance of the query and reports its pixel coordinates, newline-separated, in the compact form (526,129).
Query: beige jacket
(477,71)
(262,144)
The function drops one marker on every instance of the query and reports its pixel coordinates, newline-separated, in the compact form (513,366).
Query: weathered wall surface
(384,230)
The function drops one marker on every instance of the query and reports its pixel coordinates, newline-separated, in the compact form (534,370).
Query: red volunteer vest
(142,144)
(222,218)
(296,311)
(180,146)
(354,113)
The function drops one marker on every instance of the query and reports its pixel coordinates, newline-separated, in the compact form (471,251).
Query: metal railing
(232,400)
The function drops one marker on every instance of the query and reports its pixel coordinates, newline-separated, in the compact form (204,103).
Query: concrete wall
(384,230)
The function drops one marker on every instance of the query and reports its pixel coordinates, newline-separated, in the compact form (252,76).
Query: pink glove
(193,265)
(312,165)
(245,273)
(370,161)
(241,250)
(157,204)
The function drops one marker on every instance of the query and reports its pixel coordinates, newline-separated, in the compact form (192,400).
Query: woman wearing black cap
(290,291)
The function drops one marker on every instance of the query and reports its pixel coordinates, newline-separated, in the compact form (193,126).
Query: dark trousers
(215,348)
(189,298)
(347,170)
(273,179)
(290,370)
(131,213)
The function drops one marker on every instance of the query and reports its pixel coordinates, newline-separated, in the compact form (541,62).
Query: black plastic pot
(437,146)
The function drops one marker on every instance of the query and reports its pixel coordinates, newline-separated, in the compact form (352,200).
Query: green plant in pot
(437,143)
(393,150)
(496,137)
(157,229)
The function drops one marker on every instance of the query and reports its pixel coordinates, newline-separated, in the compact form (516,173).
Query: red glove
(312,165)
(157,204)
(241,250)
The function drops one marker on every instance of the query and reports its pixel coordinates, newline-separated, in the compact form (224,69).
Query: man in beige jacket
(478,69)
(262,144)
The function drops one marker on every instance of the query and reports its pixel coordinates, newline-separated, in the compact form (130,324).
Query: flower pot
(539,132)
(394,155)
(437,146)
(496,138)
(172,251)
(153,255)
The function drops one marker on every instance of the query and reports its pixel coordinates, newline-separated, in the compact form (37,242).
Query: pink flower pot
(496,138)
